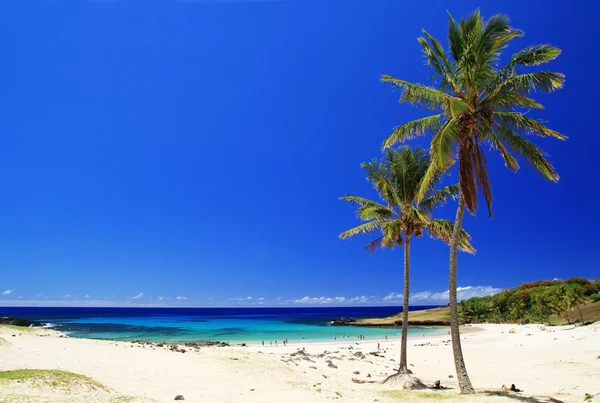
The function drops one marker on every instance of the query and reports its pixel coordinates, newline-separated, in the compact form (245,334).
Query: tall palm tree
(476,102)
(397,178)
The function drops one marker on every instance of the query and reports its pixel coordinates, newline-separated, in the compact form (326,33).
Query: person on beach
(512,388)
(437,385)
(377,346)
(263,342)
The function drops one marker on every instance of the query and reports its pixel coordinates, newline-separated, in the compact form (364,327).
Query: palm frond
(377,174)
(454,38)
(529,152)
(545,81)
(374,213)
(442,230)
(440,197)
(365,228)
(509,101)
(413,129)
(441,144)
(438,60)
(427,97)
(362,201)
(481,176)
(495,143)
(533,56)
(466,174)
(516,121)
(372,246)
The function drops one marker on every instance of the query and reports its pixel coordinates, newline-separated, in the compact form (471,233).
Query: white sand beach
(552,365)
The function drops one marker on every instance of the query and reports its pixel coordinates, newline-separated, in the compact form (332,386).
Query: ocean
(234,325)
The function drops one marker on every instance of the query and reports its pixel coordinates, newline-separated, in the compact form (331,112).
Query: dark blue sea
(249,325)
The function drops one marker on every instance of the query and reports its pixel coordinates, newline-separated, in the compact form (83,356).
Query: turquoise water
(229,325)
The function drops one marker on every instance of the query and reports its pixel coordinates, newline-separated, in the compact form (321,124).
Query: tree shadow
(522,398)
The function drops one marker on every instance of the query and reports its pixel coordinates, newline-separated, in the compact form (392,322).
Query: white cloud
(261,299)
(181,297)
(67,296)
(140,295)
(160,298)
(442,297)
(331,300)
(87,296)
(7,292)
(393,296)
(240,299)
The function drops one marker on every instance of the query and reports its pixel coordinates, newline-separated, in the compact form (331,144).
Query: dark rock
(450,376)
(330,365)
(343,322)
(356,373)
(179,397)
(19,322)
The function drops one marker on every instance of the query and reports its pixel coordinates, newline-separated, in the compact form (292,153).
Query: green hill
(554,302)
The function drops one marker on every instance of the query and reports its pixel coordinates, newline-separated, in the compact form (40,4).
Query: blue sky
(197,149)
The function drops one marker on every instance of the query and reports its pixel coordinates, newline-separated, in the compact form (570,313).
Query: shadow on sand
(521,398)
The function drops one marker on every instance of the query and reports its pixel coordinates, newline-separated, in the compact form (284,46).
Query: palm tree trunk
(461,370)
(403,362)
(578,310)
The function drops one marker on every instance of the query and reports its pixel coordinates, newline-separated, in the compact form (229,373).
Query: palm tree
(399,217)
(574,297)
(476,102)
(517,310)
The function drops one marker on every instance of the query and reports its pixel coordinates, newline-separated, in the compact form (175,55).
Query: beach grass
(18,328)
(433,315)
(52,378)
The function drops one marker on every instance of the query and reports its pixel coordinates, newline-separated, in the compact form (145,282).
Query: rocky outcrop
(398,323)
(344,322)
(19,322)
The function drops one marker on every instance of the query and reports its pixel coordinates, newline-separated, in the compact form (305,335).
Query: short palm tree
(476,102)
(575,296)
(399,217)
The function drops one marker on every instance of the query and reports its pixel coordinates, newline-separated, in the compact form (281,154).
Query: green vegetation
(399,217)
(477,103)
(51,378)
(18,328)
(529,302)
(541,301)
